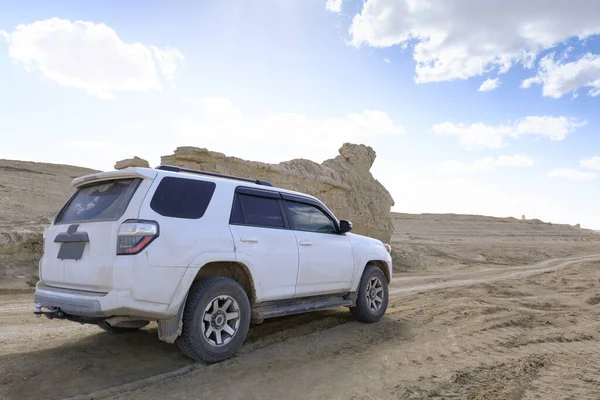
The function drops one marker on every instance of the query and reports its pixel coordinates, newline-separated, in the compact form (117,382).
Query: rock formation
(344,183)
(132,162)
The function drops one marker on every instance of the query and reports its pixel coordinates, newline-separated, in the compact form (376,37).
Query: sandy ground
(526,332)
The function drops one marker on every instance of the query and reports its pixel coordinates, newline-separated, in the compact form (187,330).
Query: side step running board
(274,309)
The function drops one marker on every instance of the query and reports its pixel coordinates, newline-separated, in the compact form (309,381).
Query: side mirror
(345,226)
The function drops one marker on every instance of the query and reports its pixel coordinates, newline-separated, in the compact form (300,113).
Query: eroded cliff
(344,183)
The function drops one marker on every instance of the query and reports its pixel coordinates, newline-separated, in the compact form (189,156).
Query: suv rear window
(102,201)
(182,198)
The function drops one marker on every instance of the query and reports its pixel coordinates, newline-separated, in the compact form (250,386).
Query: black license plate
(71,251)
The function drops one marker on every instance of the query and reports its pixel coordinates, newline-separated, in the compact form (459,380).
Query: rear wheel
(372,299)
(215,320)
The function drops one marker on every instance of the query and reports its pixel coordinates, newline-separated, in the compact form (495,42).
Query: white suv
(204,255)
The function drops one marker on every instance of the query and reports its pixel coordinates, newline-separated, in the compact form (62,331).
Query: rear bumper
(93,304)
(72,302)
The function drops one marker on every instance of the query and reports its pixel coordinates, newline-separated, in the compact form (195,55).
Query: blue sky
(89,83)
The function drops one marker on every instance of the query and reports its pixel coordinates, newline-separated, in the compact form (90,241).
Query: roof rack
(194,171)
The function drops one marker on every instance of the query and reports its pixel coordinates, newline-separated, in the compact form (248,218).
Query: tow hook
(56,313)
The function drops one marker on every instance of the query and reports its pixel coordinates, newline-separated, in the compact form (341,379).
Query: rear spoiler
(132,172)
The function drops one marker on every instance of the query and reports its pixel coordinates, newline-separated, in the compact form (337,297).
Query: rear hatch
(80,246)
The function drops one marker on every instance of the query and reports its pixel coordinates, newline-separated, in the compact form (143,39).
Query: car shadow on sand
(102,360)
(94,362)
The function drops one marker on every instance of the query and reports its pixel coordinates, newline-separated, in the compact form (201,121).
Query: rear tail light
(135,235)
(388,247)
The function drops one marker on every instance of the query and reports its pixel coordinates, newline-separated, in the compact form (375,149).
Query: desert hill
(30,194)
(453,241)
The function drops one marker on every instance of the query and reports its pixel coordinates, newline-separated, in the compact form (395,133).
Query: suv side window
(182,198)
(306,217)
(257,211)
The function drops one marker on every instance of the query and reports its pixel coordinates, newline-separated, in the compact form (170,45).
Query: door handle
(305,243)
(249,239)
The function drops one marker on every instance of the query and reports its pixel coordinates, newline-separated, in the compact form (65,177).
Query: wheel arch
(222,264)
(383,266)
(234,270)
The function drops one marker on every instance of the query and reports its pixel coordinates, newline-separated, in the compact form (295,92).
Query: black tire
(192,342)
(362,310)
(115,329)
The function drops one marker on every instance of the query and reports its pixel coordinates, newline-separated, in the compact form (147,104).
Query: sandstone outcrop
(344,183)
(132,162)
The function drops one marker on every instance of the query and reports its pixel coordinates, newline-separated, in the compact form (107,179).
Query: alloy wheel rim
(221,320)
(374,294)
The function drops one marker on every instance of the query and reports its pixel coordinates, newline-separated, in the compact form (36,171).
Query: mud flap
(170,329)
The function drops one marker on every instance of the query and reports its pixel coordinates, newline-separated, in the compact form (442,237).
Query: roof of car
(235,182)
(141,172)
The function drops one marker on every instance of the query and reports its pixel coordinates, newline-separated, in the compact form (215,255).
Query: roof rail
(194,171)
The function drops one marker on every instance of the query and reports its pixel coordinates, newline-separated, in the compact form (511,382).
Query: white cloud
(517,160)
(572,174)
(553,128)
(168,60)
(486,164)
(591,163)
(480,135)
(334,5)
(387,60)
(527,83)
(560,78)
(458,39)
(216,123)
(89,56)
(476,135)
(489,84)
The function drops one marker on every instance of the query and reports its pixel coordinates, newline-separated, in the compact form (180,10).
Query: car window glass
(237,216)
(306,217)
(182,198)
(103,201)
(261,211)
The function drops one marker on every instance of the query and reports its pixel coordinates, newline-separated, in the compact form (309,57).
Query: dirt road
(495,333)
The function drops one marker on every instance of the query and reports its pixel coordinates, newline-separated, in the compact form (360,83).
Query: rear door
(80,246)
(326,257)
(262,240)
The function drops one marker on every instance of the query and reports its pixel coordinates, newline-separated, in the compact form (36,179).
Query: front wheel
(215,320)
(373,296)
